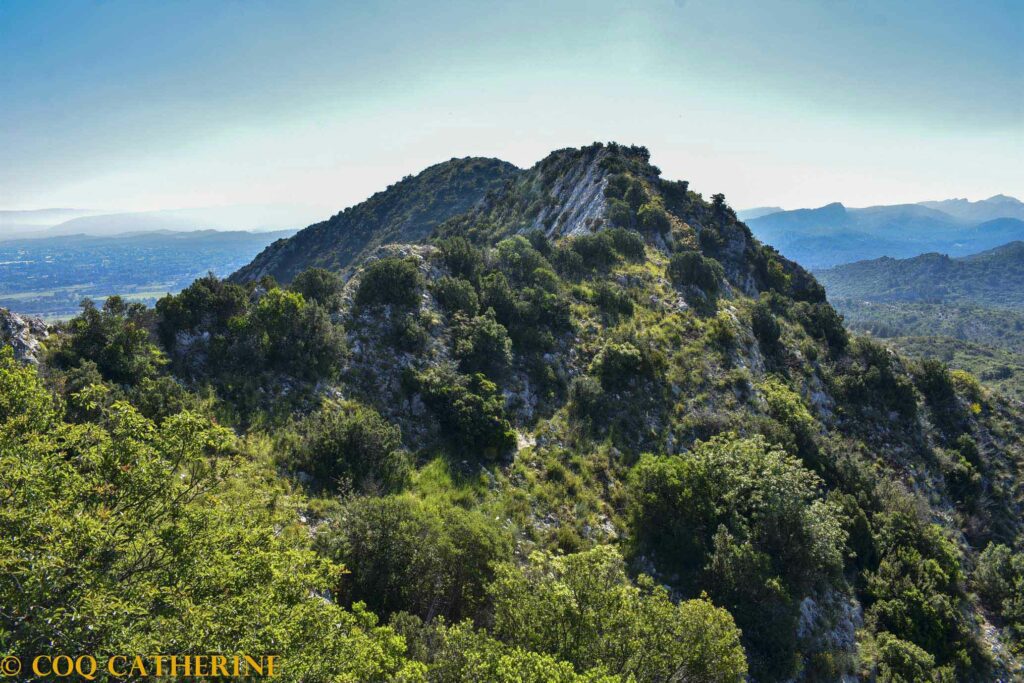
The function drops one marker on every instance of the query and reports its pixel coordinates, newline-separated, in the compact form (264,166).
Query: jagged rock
(579,204)
(23,334)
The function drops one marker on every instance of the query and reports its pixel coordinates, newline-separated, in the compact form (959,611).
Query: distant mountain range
(991,278)
(835,234)
(757,212)
(55,222)
(999,206)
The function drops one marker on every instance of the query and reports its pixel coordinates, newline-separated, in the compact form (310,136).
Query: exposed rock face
(580,204)
(23,333)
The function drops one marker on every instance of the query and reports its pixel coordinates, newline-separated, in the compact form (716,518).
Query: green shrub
(628,243)
(747,522)
(616,186)
(470,410)
(903,662)
(208,304)
(653,218)
(692,268)
(350,446)
(495,293)
(995,574)
(390,281)
(519,260)
(481,344)
(765,327)
(460,653)
(618,365)
(613,300)
(822,322)
(461,258)
(127,531)
(873,380)
(597,250)
(539,314)
(285,333)
(721,332)
(935,383)
(115,338)
(635,195)
(427,559)
(320,286)
(456,295)
(620,214)
(604,249)
(915,592)
(587,400)
(582,608)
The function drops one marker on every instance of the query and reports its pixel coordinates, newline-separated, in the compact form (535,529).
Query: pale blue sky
(136,104)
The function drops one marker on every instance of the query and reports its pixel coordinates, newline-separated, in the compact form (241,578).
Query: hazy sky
(145,104)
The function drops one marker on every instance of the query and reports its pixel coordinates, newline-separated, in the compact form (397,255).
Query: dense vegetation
(993,278)
(913,306)
(990,326)
(997,368)
(646,451)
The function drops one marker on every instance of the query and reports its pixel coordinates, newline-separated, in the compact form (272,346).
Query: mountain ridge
(834,234)
(994,277)
(406,211)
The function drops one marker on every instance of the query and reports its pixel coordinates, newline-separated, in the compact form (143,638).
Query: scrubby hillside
(589,430)
(965,311)
(405,212)
(992,278)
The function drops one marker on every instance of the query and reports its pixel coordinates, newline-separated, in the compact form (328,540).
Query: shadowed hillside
(405,212)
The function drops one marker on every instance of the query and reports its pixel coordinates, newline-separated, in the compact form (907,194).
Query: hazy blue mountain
(227,218)
(14,223)
(967,311)
(997,206)
(757,212)
(835,234)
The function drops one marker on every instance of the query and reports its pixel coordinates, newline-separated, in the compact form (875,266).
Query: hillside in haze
(967,311)
(50,276)
(835,234)
(407,211)
(757,212)
(583,428)
(241,217)
(993,278)
(17,223)
(998,206)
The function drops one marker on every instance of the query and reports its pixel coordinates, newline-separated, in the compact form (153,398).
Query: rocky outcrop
(24,334)
(578,199)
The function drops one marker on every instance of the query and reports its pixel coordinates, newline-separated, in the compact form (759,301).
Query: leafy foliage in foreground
(124,536)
